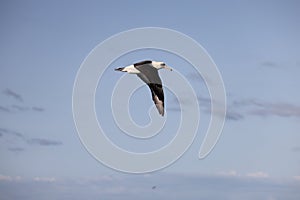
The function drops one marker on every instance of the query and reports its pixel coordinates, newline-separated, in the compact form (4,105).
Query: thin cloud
(240,109)
(205,104)
(270,64)
(265,109)
(28,140)
(195,77)
(13,94)
(16,149)
(38,109)
(229,173)
(9,178)
(44,179)
(245,102)
(14,108)
(258,175)
(233,173)
(43,142)
(205,101)
(4,109)
(20,108)
(234,116)
(168,186)
(231,114)
(276,109)
(5,131)
(5,178)
(278,65)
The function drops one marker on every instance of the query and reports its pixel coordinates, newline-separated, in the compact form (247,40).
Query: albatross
(148,71)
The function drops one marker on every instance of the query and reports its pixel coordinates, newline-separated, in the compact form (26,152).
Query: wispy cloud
(38,109)
(205,105)
(234,173)
(233,115)
(258,174)
(167,186)
(229,173)
(20,108)
(14,135)
(245,102)
(5,178)
(195,77)
(276,109)
(44,179)
(204,101)
(9,178)
(270,64)
(4,109)
(240,109)
(15,95)
(16,149)
(260,108)
(5,131)
(16,108)
(43,142)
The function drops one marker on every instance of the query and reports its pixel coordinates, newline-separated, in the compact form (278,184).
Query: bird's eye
(163,64)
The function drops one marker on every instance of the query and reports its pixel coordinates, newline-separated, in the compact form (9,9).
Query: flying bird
(148,71)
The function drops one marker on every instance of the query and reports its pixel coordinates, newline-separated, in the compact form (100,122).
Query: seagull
(148,71)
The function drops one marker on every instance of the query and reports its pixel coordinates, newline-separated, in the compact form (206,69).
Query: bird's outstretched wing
(150,76)
(158,97)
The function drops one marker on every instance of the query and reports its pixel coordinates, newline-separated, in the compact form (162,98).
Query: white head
(160,65)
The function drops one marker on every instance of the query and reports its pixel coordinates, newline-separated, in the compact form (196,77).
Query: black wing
(150,76)
(142,63)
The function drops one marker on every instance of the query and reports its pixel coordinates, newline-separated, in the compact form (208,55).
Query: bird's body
(148,71)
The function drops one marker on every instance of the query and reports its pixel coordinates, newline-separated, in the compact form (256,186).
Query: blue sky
(253,43)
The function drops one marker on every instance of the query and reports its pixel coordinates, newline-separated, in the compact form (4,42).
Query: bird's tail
(119,69)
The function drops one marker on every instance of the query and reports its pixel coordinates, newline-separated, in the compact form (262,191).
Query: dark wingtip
(161,112)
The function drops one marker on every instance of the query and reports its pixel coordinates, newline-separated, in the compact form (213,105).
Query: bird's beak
(169,68)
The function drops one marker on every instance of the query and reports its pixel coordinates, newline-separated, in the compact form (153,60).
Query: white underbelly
(132,70)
